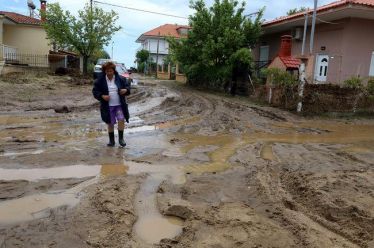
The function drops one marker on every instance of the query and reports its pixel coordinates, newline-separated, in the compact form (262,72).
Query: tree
(296,10)
(87,33)
(142,56)
(99,54)
(216,34)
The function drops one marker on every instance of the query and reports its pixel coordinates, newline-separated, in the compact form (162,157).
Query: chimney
(43,9)
(286,45)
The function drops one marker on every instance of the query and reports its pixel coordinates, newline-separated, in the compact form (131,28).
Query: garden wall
(318,99)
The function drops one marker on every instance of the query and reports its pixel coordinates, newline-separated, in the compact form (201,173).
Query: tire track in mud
(287,212)
(280,188)
(271,178)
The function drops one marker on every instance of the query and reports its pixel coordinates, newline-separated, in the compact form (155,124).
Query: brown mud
(200,170)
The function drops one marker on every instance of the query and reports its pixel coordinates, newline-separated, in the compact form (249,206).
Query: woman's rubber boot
(111,139)
(120,139)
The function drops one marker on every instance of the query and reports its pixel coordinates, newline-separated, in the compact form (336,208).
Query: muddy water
(39,206)
(75,171)
(267,152)
(147,140)
(227,145)
(151,226)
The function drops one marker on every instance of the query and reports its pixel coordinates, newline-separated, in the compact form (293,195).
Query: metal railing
(5,50)
(34,60)
(259,65)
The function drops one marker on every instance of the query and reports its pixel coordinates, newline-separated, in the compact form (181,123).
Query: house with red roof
(155,40)
(20,34)
(343,43)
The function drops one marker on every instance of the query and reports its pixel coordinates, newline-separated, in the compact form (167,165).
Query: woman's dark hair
(108,65)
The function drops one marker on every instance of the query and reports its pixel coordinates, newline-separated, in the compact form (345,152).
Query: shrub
(370,86)
(141,67)
(280,77)
(353,83)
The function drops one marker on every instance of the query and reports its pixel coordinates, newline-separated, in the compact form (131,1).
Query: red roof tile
(291,62)
(21,19)
(333,5)
(166,30)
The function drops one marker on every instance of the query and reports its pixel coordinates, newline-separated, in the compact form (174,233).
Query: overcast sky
(135,23)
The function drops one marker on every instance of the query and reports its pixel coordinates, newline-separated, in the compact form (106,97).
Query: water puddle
(267,152)
(38,206)
(108,170)
(75,171)
(140,129)
(15,154)
(227,146)
(151,226)
(318,132)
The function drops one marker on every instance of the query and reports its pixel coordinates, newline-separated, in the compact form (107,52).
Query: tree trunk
(85,64)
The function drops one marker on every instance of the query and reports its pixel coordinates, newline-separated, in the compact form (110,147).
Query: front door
(322,64)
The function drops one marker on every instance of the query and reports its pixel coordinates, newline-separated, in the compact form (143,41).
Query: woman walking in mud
(111,90)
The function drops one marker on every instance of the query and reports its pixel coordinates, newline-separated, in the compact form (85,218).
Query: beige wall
(28,39)
(358,46)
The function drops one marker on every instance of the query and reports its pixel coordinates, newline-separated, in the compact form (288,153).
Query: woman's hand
(122,92)
(106,97)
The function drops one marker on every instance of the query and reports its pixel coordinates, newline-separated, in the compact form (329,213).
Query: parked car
(123,72)
(99,64)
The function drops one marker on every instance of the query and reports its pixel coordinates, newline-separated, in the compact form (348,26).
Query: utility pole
(158,47)
(313,27)
(305,31)
(112,49)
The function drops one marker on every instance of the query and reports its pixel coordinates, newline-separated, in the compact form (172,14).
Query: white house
(157,38)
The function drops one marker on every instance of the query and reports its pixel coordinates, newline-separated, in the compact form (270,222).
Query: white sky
(135,23)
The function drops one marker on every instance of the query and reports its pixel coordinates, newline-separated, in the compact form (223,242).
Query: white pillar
(1,28)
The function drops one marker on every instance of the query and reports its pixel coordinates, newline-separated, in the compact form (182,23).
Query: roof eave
(301,16)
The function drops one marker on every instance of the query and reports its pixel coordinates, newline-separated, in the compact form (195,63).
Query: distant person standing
(111,90)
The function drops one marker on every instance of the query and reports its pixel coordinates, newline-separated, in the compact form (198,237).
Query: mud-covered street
(199,170)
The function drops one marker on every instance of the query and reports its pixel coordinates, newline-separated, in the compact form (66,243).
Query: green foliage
(370,86)
(168,60)
(243,57)
(87,33)
(142,56)
(296,10)
(353,83)
(141,67)
(98,54)
(215,41)
(279,77)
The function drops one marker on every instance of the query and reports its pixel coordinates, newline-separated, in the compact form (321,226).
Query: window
(371,71)
(264,55)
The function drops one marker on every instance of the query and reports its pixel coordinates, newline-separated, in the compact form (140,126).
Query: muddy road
(200,170)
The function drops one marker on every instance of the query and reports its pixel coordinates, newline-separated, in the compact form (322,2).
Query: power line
(140,10)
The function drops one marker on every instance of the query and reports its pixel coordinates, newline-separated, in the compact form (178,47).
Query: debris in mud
(268,114)
(63,109)
(179,211)
(17,140)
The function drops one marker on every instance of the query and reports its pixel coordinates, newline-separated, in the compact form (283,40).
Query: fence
(171,72)
(258,66)
(51,61)
(33,60)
